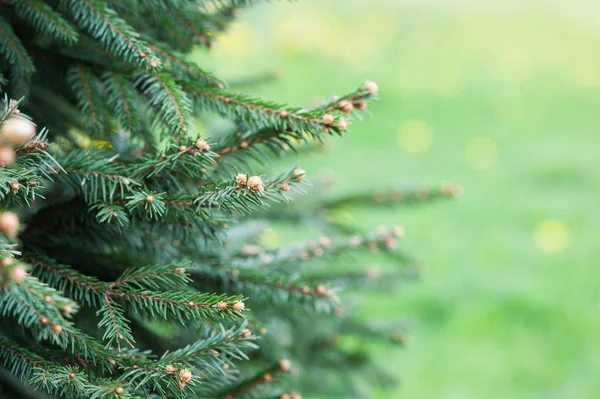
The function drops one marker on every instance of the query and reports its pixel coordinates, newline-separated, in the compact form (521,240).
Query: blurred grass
(501,96)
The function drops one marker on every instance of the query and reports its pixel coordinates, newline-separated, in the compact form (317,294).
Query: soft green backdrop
(502,97)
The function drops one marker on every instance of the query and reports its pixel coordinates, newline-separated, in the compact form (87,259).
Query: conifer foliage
(128,236)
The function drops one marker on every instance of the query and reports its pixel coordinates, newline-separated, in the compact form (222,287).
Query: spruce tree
(128,235)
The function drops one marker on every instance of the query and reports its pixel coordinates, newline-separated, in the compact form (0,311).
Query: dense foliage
(130,264)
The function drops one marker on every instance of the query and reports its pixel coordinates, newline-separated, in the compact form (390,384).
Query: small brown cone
(285,364)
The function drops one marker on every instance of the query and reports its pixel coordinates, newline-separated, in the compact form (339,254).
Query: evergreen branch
(257,112)
(14,52)
(218,348)
(185,161)
(121,97)
(94,174)
(46,20)
(104,24)
(183,69)
(87,88)
(181,305)
(158,377)
(324,118)
(153,277)
(266,375)
(82,288)
(253,256)
(271,288)
(28,302)
(243,194)
(115,323)
(168,99)
(395,196)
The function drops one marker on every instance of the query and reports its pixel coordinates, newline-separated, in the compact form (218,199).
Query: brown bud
(67,309)
(238,306)
(285,396)
(153,64)
(325,241)
(56,328)
(255,183)
(284,187)
(267,377)
(17,273)
(360,105)
(342,124)
(328,119)
(119,390)
(7,261)
(135,367)
(296,396)
(181,384)
(150,199)
(222,305)
(180,270)
(185,375)
(371,87)
(71,375)
(44,320)
(14,187)
(191,303)
(241,179)
(225,366)
(317,251)
(170,369)
(9,223)
(120,336)
(346,106)
(321,290)
(285,364)
(299,174)
(246,333)
(306,290)
(47,298)
(183,148)
(202,145)
(398,231)
(391,243)
(284,114)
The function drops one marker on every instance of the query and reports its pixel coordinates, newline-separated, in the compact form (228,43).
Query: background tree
(129,255)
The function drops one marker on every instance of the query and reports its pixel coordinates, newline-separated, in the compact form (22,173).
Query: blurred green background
(502,97)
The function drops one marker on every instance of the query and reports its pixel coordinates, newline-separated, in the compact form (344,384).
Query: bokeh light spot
(551,236)
(482,153)
(415,136)
(270,238)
